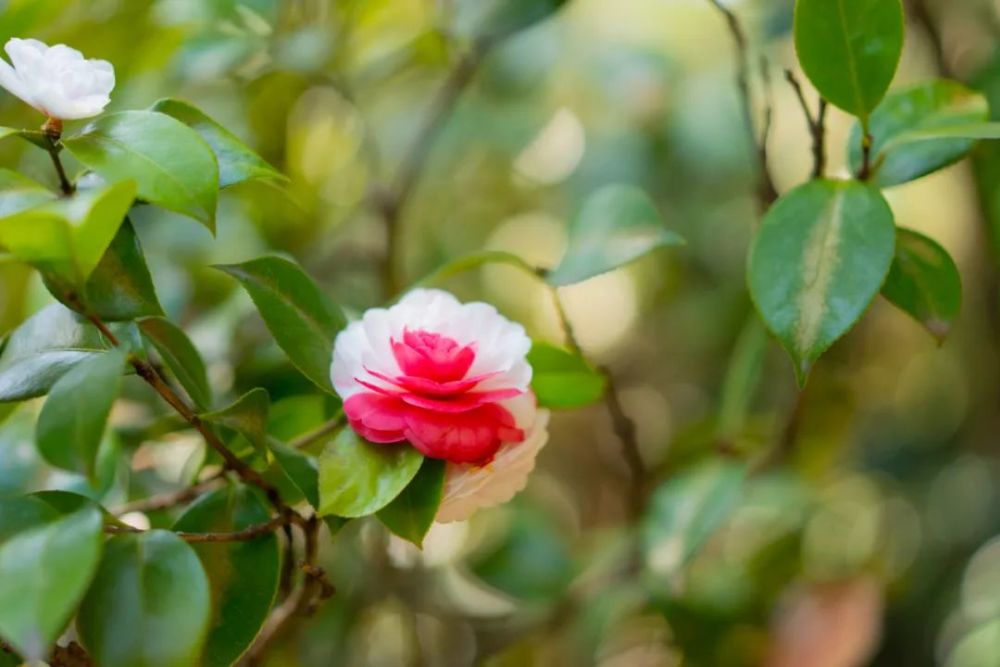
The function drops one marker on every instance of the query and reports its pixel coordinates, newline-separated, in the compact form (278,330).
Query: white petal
(12,82)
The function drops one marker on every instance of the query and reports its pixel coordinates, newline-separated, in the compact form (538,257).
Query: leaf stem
(53,149)
(331,426)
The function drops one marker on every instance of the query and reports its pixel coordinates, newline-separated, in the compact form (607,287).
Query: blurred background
(875,540)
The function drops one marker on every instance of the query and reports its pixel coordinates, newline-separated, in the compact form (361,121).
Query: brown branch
(71,655)
(171,499)
(248,533)
(52,131)
(816,124)
(767,193)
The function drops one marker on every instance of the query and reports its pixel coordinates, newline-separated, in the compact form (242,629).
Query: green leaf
(818,260)
(32,136)
(924,282)
(743,375)
(237,162)
(685,512)
(172,165)
(247,416)
(298,467)
(849,49)
(149,604)
(921,129)
(120,288)
(505,17)
(44,572)
(561,379)
(358,478)
(297,313)
(67,237)
(180,356)
(616,225)
(18,193)
(43,349)
(22,513)
(72,420)
(243,575)
(411,514)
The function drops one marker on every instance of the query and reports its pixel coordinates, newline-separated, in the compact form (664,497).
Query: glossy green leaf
(358,478)
(686,510)
(616,225)
(180,356)
(18,193)
(67,237)
(561,379)
(818,260)
(921,129)
(31,136)
(71,423)
(849,49)
(121,288)
(300,468)
(22,513)
(173,166)
(149,604)
(298,314)
(44,572)
(247,416)
(237,162)
(924,282)
(412,512)
(243,575)
(43,349)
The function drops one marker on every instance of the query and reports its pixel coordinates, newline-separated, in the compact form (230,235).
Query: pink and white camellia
(452,380)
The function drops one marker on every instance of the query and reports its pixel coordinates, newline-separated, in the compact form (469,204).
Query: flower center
(431,356)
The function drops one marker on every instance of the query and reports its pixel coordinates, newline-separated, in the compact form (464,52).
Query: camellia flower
(57,80)
(452,380)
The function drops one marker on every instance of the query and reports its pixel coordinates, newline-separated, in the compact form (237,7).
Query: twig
(171,499)
(331,426)
(71,655)
(767,193)
(866,152)
(52,131)
(248,533)
(816,124)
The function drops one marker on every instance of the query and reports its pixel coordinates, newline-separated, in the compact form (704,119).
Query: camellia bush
(260,458)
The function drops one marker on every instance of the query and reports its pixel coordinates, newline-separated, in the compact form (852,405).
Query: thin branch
(767,193)
(171,499)
(248,533)
(52,131)
(866,152)
(333,425)
(787,437)
(816,124)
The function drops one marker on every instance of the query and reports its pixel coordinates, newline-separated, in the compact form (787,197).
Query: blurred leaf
(411,514)
(67,237)
(921,129)
(44,348)
(505,17)
(120,288)
(22,513)
(742,378)
(924,282)
(243,575)
(358,478)
(72,420)
(298,314)
(18,193)
(561,379)
(980,647)
(849,49)
(149,604)
(247,416)
(237,162)
(819,258)
(44,572)
(616,225)
(685,511)
(171,163)
(180,356)
(298,467)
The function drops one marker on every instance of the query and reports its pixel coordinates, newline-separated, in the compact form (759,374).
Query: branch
(248,533)
(52,131)
(767,193)
(331,426)
(170,499)
(816,124)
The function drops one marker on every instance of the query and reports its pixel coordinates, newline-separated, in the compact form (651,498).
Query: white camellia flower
(453,381)
(57,80)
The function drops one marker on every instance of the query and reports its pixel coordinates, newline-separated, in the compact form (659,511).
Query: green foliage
(924,282)
(149,603)
(561,379)
(44,571)
(180,356)
(820,257)
(615,225)
(298,314)
(171,164)
(247,416)
(71,424)
(412,512)
(243,576)
(921,129)
(849,49)
(18,193)
(358,478)
(301,469)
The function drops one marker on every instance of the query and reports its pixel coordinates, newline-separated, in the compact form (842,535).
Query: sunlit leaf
(149,604)
(849,49)
(924,282)
(173,166)
(18,193)
(180,356)
(412,512)
(818,260)
(561,379)
(358,478)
